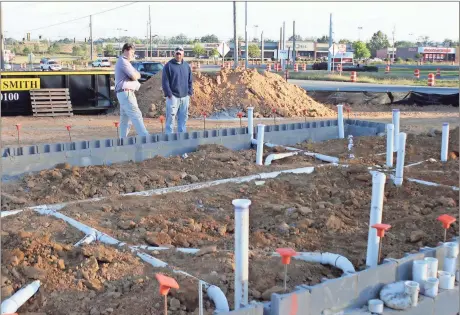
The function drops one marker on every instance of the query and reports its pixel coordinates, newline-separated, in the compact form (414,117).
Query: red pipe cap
(286,254)
(446,220)
(381,228)
(166,283)
(240,114)
(116,123)
(68,127)
(18,126)
(162,118)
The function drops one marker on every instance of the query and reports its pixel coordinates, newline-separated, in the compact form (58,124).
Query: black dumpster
(90,91)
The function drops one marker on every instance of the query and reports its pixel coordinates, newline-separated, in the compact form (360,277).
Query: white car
(101,62)
(50,65)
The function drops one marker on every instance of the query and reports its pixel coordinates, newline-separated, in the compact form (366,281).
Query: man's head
(128,51)
(179,53)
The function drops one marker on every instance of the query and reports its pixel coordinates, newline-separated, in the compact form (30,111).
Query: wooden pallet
(51,102)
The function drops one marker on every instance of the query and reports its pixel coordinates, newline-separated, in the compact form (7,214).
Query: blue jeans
(130,113)
(176,106)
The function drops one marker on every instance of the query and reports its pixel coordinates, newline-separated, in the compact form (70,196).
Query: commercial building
(304,49)
(427,54)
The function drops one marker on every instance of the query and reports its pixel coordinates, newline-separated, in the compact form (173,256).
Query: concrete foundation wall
(20,160)
(350,294)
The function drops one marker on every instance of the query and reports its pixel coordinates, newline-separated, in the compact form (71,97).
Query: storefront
(437,53)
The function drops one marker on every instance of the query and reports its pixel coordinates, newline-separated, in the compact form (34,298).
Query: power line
(80,18)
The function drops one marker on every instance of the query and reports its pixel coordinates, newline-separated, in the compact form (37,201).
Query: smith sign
(20,84)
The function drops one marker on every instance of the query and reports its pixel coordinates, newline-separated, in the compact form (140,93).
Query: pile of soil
(236,89)
(326,211)
(65,183)
(94,279)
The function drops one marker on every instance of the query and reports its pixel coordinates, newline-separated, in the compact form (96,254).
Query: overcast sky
(438,20)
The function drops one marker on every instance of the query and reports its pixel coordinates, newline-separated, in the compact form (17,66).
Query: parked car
(101,62)
(147,69)
(50,65)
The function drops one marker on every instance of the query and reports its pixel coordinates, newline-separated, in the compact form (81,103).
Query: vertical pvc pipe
(450,259)
(432,267)
(260,143)
(390,143)
(419,271)
(431,286)
(251,122)
(400,158)
(445,142)
(340,121)
(396,116)
(412,288)
(446,280)
(378,188)
(241,251)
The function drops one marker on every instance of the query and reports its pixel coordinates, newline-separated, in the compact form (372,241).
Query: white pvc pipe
(396,117)
(277,156)
(241,251)
(322,157)
(260,143)
(182,250)
(12,304)
(390,142)
(88,239)
(394,296)
(424,182)
(444,142)
(450,259)
(375,306)
(272,145)
(431,286)
(340,121)
(378,188)
(218,297)
(412,289)
(251,122)
(400,159)
(446,280)
(8,213)
(419,271)
(432,264)
(331,259)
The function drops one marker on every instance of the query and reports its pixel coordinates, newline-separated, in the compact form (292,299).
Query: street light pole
(359,32)
(2,38)
(246,50)
(150,24)
(91,35)
(235,39)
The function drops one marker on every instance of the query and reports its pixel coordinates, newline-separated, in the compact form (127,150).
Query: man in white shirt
(125,84)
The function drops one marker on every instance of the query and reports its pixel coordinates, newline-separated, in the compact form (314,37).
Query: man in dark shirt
(177,87)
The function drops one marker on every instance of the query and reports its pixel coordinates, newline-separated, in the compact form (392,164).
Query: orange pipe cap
(286,254)
(446,220)
(381,228)
(166,283)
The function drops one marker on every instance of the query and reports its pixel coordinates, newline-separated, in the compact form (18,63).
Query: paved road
(368,87)
(421,67)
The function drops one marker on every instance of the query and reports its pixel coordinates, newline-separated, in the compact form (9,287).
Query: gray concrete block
(371,281)
(447,302)
(295,303)
(333,295)
(404,269)
(425,306)
(253,309)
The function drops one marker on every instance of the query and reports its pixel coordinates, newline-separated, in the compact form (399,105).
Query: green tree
(418,56)
(198,50)
(361,50)
(404,44)
(214,52)
(54,49)
(99,49)
(345,41)
(110,50)
(448,42)
(253,51)
(76,51)
(378,41)
(26,51)
(323,39)
(36,48)
(297,38)
(209,39)
(179,39)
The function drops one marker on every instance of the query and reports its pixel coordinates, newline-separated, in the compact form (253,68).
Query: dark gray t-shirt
(124,71)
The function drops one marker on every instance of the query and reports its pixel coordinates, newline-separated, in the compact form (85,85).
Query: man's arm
(190,82)
(130,71)
(165,81)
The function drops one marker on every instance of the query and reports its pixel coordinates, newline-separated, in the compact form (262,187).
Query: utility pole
(150,34)
(394,49)
(235,38)
(2,38)
(283,62)
(262,47)
(91,35)
(293,43)
(329,55)
(246,50)
(280,45)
